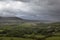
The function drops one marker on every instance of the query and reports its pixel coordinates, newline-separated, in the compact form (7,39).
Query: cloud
(31,9)
(14,5)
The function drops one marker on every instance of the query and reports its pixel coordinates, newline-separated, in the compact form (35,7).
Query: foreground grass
(53,38)
(17,38)
(13,38)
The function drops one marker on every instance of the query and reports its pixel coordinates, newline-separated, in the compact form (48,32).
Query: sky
(31,9)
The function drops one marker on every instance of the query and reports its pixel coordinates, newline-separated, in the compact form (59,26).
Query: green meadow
(30,31)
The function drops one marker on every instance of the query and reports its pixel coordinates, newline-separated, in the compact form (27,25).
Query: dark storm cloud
(33,9)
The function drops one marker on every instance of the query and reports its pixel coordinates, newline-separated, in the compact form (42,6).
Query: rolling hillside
(16,20)
(10,20)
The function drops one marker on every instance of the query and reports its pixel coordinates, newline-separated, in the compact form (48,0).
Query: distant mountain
(17,20)
(38,21)
(10,20)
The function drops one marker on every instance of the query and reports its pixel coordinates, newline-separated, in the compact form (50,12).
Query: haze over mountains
(10,20)
(17,20)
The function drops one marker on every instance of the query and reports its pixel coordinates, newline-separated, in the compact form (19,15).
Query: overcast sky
(31,9)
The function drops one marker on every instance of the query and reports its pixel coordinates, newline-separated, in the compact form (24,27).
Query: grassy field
(53,38)
(13,38)
(30,31)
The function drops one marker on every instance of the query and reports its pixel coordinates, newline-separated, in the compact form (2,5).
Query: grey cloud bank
(31,9)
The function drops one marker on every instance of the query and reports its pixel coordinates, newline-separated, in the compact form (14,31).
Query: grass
(57,33)
(53,38)
(26,25)
(13,38)
(28,37)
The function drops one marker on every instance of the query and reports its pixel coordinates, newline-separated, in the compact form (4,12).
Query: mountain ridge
(19,20)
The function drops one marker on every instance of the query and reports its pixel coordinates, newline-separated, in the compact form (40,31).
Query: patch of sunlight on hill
(28,24)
